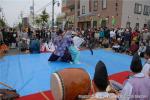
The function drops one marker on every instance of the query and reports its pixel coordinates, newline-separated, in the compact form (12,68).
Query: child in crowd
(142,49)
(116,47)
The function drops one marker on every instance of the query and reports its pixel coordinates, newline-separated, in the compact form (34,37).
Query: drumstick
(91,51)
(92,87)
(42,93)
(6,85)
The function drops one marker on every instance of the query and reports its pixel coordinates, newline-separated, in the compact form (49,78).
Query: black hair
(101,76)
(147,51)
(59,32)
(136,64)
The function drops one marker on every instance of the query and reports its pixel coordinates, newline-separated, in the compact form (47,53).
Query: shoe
(71,62)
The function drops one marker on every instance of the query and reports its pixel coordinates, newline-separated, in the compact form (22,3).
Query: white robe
(77,41)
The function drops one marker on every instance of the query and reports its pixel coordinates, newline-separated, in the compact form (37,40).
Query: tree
(2,23)
(38,21)
(44,17)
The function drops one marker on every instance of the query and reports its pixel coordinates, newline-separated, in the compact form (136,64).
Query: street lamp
(53,4)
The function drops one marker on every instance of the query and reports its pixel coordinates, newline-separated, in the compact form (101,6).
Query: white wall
(86,4)
(128,10)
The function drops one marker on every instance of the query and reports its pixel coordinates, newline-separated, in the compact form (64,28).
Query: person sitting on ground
(105,43)
(44,46)
(47,46)
(23,46)
(146,68)
(116,46)
(123,47)
(133,48)
(100,84)
(142,49)
(34,46)
(137,84)
(4,48)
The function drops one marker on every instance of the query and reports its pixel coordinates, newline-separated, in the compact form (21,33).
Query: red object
(134,48)
(119,77)
(134,34)
(37,96)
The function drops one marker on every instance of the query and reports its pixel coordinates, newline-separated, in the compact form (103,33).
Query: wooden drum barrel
(69,83)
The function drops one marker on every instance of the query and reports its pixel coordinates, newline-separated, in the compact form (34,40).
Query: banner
(100,21)
(113,21)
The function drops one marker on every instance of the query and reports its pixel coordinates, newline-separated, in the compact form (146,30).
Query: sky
(12,9)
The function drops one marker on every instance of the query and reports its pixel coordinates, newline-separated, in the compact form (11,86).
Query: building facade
(111,13)
(68,10)
(135,14)
(101,13)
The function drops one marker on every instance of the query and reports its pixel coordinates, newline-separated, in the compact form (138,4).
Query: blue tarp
(30,73)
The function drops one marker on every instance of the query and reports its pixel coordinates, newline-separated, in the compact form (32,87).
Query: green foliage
(38,21)
(2,23)
(42,19)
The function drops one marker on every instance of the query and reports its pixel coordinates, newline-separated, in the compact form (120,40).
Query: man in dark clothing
(127,38)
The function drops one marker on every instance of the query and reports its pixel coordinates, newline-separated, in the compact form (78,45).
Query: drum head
(56,87)
(69,83)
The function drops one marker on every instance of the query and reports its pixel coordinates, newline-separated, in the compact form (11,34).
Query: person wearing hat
(100,84)
(137,87)
(146,68)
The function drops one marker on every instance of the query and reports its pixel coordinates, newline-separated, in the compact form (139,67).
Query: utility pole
(21,16)
(0,13)
(33,11)
(53,3)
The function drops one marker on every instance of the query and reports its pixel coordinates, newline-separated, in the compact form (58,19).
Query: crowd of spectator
(123,40)
(120,40)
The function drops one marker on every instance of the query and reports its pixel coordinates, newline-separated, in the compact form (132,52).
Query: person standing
(112,36)
(53,35)
(101,35)
(24,35)
(127,39)
(14,36)
(146,68)
(146,37)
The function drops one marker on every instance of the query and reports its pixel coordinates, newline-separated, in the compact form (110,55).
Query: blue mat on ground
(30,73)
